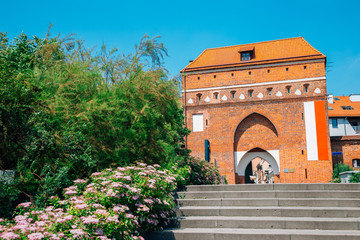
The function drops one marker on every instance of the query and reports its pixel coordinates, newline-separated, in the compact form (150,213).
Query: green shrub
(113,204)
(195,171)
(339,168)
(66,112)
(355,178)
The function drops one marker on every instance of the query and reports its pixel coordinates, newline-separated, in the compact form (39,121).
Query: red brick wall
(258,75)
(350,149)
(283,113)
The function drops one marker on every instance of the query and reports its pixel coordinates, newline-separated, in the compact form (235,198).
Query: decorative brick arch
(255,131)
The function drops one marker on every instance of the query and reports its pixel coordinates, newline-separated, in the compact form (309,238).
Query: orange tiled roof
(265,52)
(344,101)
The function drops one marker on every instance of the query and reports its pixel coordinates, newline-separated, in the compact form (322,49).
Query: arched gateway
(255,137)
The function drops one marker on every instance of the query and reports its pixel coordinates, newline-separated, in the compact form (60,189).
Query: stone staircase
(276,211)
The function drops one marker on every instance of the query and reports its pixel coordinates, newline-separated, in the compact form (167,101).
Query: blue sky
(188,27)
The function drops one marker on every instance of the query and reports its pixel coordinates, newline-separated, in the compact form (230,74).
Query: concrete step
(301,202)
(335,212)
(252,234)
(280,186)
(266,222)
(270,194)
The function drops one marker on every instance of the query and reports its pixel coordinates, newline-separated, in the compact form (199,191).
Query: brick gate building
(264,100)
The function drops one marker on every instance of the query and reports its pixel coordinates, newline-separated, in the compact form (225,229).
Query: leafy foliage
(355,178)
(66,111)
(195,171)
(339,168)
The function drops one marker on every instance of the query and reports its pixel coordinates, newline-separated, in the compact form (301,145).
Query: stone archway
(243,159)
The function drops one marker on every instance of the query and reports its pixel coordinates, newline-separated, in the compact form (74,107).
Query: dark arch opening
(259,171)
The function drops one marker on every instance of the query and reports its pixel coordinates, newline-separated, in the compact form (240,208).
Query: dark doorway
(248,173)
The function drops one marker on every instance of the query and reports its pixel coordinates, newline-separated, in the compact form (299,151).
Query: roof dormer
(247,53)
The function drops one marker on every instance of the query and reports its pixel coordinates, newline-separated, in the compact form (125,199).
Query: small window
(199,96)
(249,73)
(356,163)
(214,76)
(287,69)
(216,95)
(268,70)
(251,93)
(245,56)
(232,74)
(347,107)
(206,122)
(304,67)
(269,91)
(334,122)
(198,123)
(306,87)
(354,124)
(233,94)
(198,78)
(288,89)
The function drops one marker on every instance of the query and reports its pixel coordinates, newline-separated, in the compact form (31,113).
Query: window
(347,107)
(198,123)
(356,162)
(306,87)
(288,89)
(216,95)
(268,70)
(304,67)
(354,124)
(249,73)
(334,122)
(233,94)
(214,76)
(199,97)
(287,69)
(269,91)
(198,78)
(251,93)
(245,56)
(232,74)
(336,99)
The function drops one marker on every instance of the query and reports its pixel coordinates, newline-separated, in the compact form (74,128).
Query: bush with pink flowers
(123,203)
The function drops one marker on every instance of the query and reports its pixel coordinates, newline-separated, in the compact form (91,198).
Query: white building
(344,115)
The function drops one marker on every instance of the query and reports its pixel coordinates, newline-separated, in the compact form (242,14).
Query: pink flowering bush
(123,203)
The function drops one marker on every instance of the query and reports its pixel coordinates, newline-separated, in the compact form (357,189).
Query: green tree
(66,111)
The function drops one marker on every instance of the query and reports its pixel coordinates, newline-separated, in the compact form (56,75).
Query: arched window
(199,96)
(288,89)
(216,95)
(232,94)
(251,93)
(306,87)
